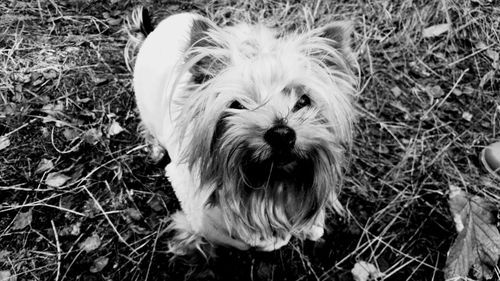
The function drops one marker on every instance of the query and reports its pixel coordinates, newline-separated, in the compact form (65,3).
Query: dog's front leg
(214,229)
(189,235)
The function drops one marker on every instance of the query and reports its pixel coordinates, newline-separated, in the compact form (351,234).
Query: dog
(257,123)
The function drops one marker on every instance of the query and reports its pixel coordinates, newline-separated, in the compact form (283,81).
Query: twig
(71,264)
(436,105)
(453,88)
(395,268)
(154,250)
(39,203)
(120,237)
(58,250)
(19,187)
(19,128)
(63,151)
(306,263)
(471,55)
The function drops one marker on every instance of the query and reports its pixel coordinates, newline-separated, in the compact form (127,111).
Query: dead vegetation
(81,201)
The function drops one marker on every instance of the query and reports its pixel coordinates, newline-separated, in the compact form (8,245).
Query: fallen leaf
(457,92)
(44,166)
(396,91)
(21,77)
(481,273)
(72,230)
(90,208)
(156,204)
(3,255)
(4,142)
(83,100)
(486,124)
(436,91)
(19,88)
(486,78)
(99,264)
(45,132)
(481,45)
(91,243)
(56,179)
(436,30)
(99,81)
(468,90)
(496,65)
(365,271)
(92,136)
(467,116)
(18,97)
(477,245)
(115,128)
(53,109)
(5,275)
(50,74)
(8,109)
(88,113)
(70,134)
(418,69)
(138,229)
(22,220)
(493,55)
(38,81)
(133,214)
(114,21)
(400,106)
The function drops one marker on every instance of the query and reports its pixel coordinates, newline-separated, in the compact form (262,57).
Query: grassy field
(80,200)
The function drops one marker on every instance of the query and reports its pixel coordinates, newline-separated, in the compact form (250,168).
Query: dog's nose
(280,137)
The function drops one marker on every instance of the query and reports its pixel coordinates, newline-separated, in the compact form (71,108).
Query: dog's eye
(236,105)
(302,102)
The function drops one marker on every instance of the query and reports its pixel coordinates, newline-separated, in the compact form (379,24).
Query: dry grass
(427,107)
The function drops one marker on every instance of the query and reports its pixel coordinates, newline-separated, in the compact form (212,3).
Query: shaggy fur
(222,101)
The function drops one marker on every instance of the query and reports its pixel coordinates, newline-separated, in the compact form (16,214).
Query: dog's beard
(269,193)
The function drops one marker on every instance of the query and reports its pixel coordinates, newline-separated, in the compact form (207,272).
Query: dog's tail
(137,27)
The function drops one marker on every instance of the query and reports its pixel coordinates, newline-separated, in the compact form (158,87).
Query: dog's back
(158,61)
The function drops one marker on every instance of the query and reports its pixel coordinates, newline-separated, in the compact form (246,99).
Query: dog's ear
(202,70)
(340,32)
(198,32)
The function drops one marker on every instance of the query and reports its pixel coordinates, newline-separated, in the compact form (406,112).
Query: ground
(80,199)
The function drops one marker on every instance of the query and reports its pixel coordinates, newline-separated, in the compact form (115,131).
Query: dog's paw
(315,233)
(156,153)
(272,244)
(184,239)
(215,230)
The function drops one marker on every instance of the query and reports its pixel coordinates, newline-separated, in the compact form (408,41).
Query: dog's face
(268,118)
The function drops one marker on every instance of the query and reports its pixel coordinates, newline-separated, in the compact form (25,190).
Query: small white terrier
(256,124)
